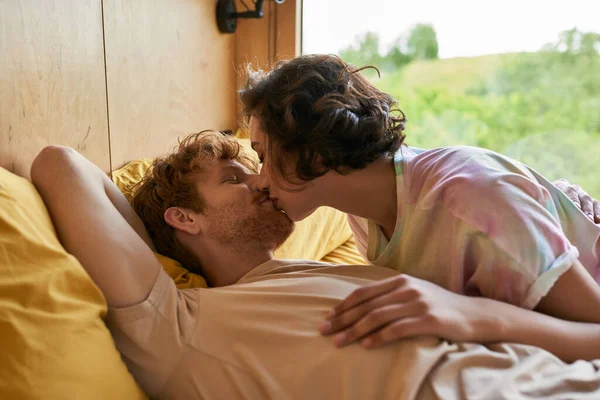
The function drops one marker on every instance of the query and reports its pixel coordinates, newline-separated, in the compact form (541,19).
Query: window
(519,77)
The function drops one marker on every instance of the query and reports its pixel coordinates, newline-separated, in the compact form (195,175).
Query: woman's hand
(402,307)
(589,206)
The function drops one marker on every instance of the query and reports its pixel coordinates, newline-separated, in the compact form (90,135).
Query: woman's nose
(260,183)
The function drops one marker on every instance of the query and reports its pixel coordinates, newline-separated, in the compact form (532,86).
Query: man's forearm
(568,340)
(81,201)
(93,174)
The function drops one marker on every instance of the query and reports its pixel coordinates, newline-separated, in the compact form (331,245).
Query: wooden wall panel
(264,41)
(274,37)
(289,29)
(52,86)
(169,72)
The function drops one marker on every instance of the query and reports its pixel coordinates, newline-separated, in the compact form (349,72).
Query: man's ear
(183,220)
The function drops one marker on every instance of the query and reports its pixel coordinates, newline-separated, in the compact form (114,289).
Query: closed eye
(232,179)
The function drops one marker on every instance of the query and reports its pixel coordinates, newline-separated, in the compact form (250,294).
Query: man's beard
(246,231)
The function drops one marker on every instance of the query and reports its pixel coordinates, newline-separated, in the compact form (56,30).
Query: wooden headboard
(122,79)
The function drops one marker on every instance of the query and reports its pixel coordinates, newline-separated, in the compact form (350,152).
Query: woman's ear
(183,220)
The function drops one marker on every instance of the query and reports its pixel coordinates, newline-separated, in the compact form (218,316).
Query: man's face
(235,212)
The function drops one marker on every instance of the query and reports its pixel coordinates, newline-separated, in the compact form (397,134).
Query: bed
(55,345)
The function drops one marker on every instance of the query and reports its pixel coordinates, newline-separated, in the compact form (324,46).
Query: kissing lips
(276,204)
(261,198)
(273,201)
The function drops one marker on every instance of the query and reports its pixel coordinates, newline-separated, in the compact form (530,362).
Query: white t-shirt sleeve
(151,335)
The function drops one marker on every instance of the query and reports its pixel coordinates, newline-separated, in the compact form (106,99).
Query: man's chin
(277,230)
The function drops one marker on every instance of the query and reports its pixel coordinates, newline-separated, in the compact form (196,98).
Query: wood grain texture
(52,87)
(169,72)
(263,42)
(269,39)
(289,30)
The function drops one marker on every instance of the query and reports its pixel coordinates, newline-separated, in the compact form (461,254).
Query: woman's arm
(404,306)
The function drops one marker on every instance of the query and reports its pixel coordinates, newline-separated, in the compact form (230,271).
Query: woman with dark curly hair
(467,219)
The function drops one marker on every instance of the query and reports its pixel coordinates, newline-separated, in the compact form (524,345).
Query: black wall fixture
(227,14)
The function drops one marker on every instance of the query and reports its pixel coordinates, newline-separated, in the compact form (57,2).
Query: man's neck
(225,264)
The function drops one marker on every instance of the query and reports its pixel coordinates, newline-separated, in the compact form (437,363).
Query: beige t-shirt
(259,339)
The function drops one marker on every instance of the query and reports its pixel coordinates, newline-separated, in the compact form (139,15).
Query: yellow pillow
(53,341)
(126,177)
(346,254)
(183,278)
(314,238)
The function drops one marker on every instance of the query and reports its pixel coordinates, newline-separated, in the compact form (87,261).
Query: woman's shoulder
(460,151)
(461,169)
(450,160)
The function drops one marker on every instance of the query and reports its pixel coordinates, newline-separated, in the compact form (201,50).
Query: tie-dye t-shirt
(479,223)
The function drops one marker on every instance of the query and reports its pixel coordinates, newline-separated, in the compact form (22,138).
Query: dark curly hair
(322,110)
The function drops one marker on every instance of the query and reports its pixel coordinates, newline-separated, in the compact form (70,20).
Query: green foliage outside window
(541,108)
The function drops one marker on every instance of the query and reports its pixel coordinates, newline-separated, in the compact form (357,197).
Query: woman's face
(297,200)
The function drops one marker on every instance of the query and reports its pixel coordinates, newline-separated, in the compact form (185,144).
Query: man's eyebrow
(234,168)
(254,144)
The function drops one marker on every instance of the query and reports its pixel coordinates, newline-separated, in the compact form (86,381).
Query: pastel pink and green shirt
(479,223)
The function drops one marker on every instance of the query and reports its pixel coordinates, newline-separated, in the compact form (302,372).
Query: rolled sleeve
(542,285)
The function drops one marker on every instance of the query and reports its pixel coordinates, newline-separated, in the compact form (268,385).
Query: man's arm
(97,225)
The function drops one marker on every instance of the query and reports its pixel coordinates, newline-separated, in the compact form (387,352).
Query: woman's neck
(369,192)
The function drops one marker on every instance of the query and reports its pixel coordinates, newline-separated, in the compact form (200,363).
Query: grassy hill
(453,74)
(546,115)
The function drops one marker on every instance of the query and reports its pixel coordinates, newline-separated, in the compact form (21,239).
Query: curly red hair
(169,182)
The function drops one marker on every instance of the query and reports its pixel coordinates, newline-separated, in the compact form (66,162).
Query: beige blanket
(509,371)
